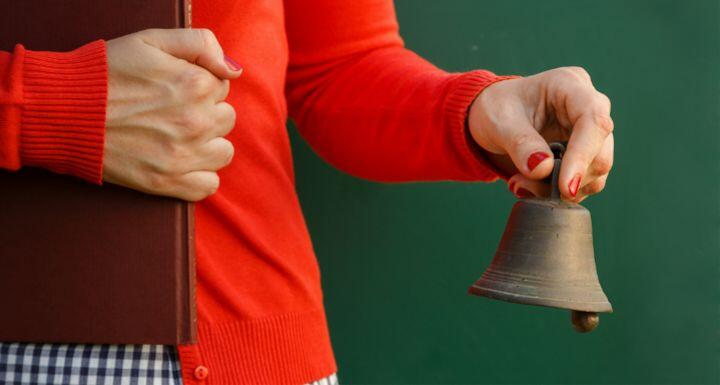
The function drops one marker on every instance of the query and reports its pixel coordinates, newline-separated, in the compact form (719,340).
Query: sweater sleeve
(52,110)
(371,107)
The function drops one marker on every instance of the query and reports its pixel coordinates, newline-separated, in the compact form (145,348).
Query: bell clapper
(583,321)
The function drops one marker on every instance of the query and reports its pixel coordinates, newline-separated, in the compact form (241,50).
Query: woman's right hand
(166,114)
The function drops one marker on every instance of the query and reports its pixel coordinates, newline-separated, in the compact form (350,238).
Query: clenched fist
(518,117)
(166,114)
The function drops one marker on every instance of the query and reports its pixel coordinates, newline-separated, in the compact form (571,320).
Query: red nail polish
(574,184)
(511,186)
(535,159)
(232,64)
(522,193)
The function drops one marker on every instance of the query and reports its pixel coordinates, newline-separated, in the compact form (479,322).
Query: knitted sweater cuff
(62,124)
(466,88)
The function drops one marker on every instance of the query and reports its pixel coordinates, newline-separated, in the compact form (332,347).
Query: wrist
(463,92)
(478,142)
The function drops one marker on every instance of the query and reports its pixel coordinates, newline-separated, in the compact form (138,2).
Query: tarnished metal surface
(546,258)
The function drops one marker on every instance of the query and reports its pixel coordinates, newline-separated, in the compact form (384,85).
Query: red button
(201,373)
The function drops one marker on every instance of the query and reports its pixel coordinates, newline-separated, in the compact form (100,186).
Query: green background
(397,259)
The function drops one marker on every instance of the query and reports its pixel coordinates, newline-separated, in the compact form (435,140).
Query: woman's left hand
(518,117)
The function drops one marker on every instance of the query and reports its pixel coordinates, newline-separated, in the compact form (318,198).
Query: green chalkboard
(397,259)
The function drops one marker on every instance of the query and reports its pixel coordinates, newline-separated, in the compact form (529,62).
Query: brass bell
(546,258)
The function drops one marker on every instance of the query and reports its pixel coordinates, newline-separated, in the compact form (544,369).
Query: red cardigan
(364,103)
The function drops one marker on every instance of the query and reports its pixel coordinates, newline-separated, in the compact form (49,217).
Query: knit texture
(365,104)
(55,117)
(287,349)
(63,118)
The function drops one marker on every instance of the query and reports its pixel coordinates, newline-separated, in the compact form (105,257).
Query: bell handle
(558,149)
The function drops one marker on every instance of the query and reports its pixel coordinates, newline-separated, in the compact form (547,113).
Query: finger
(594,187)
(224,119)
(214,155)
(524,187)
(528,150)
(590,131)
(196,185)
(223,91)
(198,46)
(602,164)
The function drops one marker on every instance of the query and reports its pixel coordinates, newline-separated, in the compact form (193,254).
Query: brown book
(81,263)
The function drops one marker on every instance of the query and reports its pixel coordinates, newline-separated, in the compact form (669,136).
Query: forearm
(389,115)
(371,107)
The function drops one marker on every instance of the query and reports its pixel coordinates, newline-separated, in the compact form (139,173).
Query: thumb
(529,151)
(198,46)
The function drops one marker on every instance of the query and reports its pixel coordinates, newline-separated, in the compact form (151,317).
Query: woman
(178,115)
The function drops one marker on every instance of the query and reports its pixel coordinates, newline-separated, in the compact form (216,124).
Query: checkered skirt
(50,364)
(78,364)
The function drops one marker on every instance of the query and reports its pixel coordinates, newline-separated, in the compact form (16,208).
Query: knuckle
(208,41)
(605,123)
(604,99)
(195,82)
(604,102)
(575,73)
(205,36)
(595,187)
(602,166)
(191,125)
(174,152)
(581,72)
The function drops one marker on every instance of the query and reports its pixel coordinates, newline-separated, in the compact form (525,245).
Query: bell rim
(598,307)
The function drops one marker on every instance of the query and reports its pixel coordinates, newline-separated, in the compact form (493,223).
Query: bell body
(546,258)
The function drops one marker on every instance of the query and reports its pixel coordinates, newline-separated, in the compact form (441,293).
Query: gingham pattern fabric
(75,364)
(79,364)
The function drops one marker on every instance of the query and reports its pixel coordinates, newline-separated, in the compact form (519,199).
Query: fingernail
(535,159)
(232,64)
(522,193)
(574,184)
(510,187)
